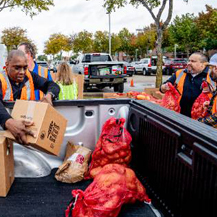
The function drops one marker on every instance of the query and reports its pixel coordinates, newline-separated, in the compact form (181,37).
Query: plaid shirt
(210,119)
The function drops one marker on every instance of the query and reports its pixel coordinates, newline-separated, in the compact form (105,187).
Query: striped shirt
(210,119)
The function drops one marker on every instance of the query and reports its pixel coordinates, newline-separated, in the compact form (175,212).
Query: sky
(72,16)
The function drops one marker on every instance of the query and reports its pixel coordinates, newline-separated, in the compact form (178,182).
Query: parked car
(142,66)
(172,65)
(43,64)
(152,67)
(130,69)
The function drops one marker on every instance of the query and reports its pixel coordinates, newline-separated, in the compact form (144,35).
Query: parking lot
(140,82)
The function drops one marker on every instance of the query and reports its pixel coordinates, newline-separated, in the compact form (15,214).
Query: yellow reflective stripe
(179,77)
(8,91)
(28,90)
(43,72)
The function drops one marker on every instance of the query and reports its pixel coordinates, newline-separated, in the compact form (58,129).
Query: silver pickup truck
(101,71)
(175,158)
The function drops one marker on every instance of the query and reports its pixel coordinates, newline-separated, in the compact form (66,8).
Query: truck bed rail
(177,159)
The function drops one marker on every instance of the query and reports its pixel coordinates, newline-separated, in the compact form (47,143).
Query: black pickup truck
(101,71)
(174,157)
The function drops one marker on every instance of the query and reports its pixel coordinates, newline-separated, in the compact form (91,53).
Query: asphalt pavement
(139,81)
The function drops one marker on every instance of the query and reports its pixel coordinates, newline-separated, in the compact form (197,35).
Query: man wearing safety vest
(29,51)
(189,81)
(211,118)
(16,82)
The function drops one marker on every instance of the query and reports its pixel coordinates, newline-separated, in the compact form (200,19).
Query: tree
(42,58)
(82,42)
(184,32)
(100,41)
(125,39)
(116,43)
(206,23)
(57,43)
(31,7)
(146,40)
(150,5)
(12,37)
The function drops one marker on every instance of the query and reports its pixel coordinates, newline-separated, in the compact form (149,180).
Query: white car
(152,68)
(142,66)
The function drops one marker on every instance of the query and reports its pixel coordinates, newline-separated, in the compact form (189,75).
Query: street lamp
(136,53)
(110,41)
(175,46)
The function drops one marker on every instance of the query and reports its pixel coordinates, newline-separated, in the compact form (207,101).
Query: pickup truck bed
(174,156)
(48,197)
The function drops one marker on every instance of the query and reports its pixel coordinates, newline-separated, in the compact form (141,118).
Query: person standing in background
(211,117)
(66,82)
(30,53)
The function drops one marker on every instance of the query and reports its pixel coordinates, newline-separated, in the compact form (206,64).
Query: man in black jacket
(15,79)
(189,81)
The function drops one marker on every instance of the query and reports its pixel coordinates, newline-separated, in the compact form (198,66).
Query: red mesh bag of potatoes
(198,110)
(113,146)
(114,186)
(171,99)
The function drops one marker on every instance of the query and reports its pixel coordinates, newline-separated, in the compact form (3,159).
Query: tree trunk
(159,57)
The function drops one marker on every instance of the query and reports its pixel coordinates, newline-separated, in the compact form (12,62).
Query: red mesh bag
(104,197)
(113,146)
(171,99)
(198,110)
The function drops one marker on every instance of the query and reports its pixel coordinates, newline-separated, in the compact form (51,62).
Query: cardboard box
(154,92)
(6,165)
(115,95)
(49,125)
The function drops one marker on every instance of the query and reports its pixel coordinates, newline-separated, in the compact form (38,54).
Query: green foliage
(116,43)
(42,58)
(184,32)
(82,42)
(31,7)
(114,4)
(125,40)
(206,23)
(100,42)
(12,37)
(57,43)
(146,40)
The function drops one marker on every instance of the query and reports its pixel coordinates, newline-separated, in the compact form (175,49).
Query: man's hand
(206,104)
(164,87)
(47,99)
(19,130)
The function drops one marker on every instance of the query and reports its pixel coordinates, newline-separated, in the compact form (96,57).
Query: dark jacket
(39,84)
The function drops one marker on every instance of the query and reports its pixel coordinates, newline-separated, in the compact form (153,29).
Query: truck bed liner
(48,197)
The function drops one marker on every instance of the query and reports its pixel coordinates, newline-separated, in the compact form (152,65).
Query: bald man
(16,82)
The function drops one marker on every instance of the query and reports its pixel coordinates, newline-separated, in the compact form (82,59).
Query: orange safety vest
(43,72)
(180,80)
(27,92)
(214,107)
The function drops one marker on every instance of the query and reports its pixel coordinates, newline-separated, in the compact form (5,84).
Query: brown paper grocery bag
(75,164)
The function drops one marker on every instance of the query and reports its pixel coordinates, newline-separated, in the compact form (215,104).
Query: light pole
(175,46)
(136,53)
(110,41)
